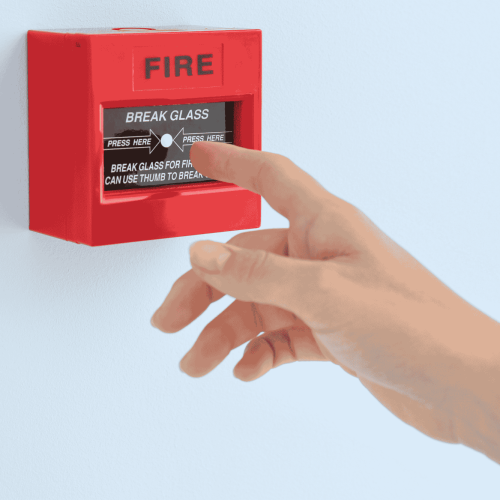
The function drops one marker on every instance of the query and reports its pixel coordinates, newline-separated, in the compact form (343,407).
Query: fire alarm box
(113,114)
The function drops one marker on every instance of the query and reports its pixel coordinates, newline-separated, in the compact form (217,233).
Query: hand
(333,287)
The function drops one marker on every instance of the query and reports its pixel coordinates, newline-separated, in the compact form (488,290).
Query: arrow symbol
(150,141)
(181,131)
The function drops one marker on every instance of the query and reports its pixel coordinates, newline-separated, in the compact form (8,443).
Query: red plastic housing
(74,76)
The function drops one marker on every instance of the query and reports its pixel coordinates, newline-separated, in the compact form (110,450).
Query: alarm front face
(149,146)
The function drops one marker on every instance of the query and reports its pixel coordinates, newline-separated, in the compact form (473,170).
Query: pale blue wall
(394,106)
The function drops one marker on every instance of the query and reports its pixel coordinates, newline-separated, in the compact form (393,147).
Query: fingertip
(188,372)
(209,256)
(254,363)
(200,150)
(182,363)
(157,321)
(248,374)
(191,367)
(196,154)
(175,313)
(244,376)
(160,321)
(200,247)
(152,321)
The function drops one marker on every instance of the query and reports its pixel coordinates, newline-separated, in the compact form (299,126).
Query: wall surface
(393,106)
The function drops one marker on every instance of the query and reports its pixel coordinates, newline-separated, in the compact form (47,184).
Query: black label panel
(149,146)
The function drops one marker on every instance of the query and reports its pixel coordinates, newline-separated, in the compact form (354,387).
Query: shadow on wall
(14,199)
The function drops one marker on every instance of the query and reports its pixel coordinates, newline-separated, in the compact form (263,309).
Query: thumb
(304,287)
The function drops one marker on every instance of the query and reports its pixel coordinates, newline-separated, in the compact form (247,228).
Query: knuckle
(225,165)
(267,167)
(262,176)
(349,209)
(209,293)
(335,206)
(341,214)
(255,344)
(276,157)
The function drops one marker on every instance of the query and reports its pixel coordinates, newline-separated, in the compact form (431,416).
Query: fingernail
(210,255)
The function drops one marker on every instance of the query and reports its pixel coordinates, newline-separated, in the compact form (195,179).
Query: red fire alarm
(113,114)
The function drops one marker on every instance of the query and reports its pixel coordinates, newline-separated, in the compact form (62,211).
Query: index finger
(289,190)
